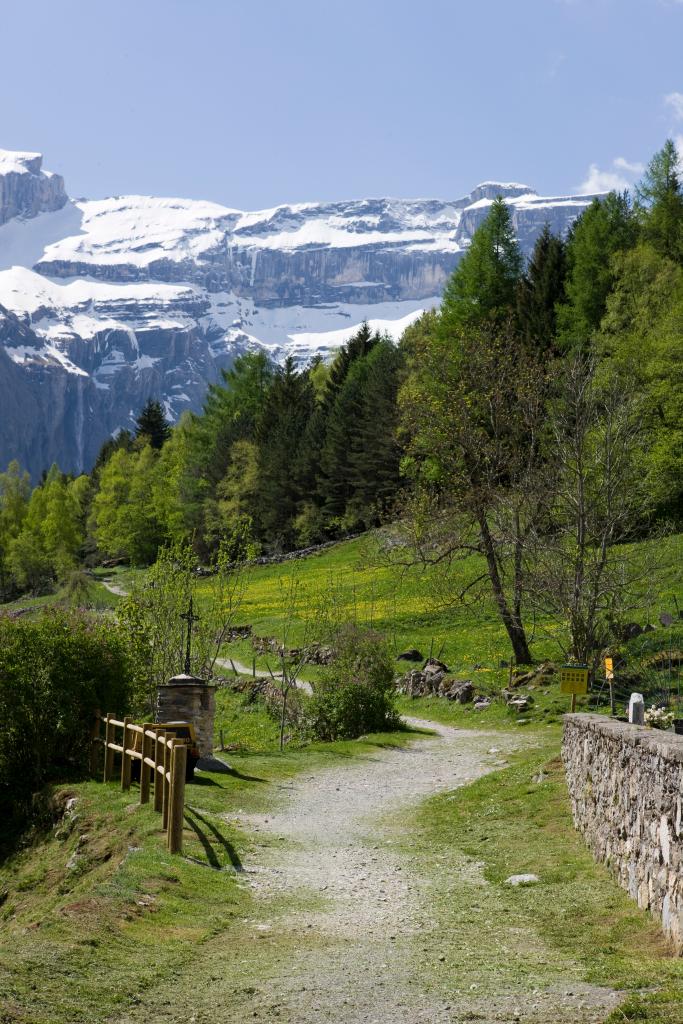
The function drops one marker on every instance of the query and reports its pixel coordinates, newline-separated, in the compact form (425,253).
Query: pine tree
(661,195)
(605,228)
(123,439)
(153,425)
(325,434)
(342,433)
(231,410)
(540,290)
(375,452)
(482,287)
(280,430)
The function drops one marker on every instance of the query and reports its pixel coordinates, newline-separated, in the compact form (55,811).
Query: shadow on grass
(236,774)
(193,818)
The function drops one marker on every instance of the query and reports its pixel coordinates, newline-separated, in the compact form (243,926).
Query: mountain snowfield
(104,303)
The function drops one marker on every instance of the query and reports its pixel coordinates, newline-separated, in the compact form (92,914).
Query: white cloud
(675,101)
(602,181)
(618,176)
(622,164)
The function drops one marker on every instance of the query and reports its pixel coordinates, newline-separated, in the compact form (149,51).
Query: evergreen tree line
(284,457)
(280,457)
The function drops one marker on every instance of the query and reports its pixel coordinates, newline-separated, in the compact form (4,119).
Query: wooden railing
(163,761)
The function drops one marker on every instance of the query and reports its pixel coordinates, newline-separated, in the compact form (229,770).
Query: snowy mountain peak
(105,303)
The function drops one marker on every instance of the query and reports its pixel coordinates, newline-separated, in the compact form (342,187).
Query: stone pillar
(189,699)
(636,709)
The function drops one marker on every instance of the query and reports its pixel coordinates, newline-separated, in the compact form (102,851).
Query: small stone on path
(522,880)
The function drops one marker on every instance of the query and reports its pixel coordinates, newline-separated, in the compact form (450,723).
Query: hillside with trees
(476,412)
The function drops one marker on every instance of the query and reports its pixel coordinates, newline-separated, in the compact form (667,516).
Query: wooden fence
(163,761)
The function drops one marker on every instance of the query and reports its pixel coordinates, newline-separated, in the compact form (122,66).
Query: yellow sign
(609,668)
(574,679)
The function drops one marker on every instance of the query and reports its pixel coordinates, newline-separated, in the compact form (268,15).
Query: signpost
(573,680)
(609,676)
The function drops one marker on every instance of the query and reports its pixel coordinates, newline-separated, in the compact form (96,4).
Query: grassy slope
(86,912)
(401,603)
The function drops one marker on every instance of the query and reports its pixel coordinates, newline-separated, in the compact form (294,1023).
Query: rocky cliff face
(106,303)
(25,189)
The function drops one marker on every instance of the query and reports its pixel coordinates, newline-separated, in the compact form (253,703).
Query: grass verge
(574,928)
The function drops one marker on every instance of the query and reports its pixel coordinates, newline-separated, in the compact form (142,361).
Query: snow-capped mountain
(105,303)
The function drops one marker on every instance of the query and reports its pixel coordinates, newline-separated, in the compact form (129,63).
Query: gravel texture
(344,922)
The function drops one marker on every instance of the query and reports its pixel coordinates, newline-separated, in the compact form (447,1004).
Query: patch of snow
(23,241)
(22,354)
(19,163)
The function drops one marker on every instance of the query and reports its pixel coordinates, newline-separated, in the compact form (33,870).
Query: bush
(54,673)
(356,693)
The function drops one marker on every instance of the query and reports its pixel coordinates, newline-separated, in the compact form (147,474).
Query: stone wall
(626,788)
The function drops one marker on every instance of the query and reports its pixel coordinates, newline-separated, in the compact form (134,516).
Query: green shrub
(356,693)
(54,673)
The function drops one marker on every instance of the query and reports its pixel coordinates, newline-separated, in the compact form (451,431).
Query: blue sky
(257,103)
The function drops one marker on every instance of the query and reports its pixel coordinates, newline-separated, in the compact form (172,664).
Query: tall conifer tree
(540,289)
(482,287)
(152,424)
(279,434)
(606,227)
(661,193)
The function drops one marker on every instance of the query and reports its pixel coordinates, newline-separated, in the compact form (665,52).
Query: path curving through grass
(346,923)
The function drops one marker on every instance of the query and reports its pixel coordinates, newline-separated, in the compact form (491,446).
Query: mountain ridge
(105,303)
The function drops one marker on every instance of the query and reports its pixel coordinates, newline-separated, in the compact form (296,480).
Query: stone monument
(187,698)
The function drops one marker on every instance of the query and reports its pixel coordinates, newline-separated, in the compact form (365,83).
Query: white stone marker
(636,709)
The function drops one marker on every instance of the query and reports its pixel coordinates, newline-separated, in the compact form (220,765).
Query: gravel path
(113,588)
(344,916)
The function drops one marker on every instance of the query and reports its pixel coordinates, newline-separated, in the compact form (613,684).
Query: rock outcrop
(25,188)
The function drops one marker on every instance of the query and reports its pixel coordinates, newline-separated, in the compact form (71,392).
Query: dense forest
(472,410)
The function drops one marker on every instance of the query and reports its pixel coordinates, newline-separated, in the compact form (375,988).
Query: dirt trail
(345,925)
(113,588)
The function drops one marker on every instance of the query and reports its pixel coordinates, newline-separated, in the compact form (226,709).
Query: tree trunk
(283,716)
(511,621)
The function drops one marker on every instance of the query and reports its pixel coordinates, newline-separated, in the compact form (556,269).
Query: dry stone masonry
(189,699)
(626,788)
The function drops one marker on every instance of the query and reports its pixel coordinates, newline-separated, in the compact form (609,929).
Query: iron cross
(189,618)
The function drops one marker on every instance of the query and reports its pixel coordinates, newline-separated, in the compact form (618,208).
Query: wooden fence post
(167,784)
(158,784)
(144,768)
(177,798)
(125,758)
(108,752)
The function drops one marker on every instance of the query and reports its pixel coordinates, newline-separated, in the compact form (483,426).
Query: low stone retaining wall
(626,788)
